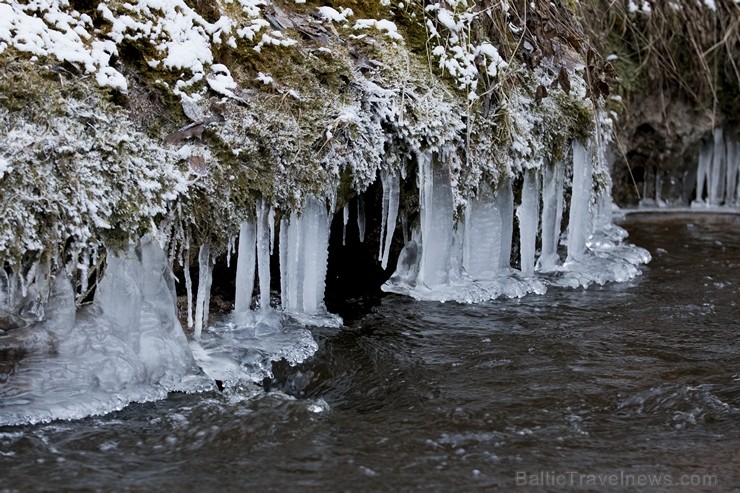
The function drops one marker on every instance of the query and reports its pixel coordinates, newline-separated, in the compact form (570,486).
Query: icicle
(578,223)
(321,253)
(209,283)
(384,213)
(732,191)
(284,225)
(311,220)
(188,285)
(505,206)
(361,217)
(717,179)
(527,213)
(304,249)
(204,268)
(552,213)
(345,220)
(229,250)
(5,300)
(245,263)
(84,268)
(405,226)
(702,172)
(436,222)
(393,185)
(481,252)
(271,224)
(263,254)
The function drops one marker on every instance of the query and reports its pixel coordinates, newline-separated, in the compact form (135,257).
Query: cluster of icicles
(718,172)
(469,261)
(129,346)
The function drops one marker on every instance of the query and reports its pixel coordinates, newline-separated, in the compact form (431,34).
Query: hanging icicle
(391,201)
(245,264)
(528,215)
(361,217)
(204,279)
(263,254)
(345,220)
(552,214)
(579,221)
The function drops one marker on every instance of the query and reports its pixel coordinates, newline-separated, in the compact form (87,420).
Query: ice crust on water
(469,261)
(128,346)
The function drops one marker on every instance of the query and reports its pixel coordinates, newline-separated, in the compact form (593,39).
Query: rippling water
(641,378)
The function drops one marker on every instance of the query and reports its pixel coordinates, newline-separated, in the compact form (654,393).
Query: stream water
(608,387)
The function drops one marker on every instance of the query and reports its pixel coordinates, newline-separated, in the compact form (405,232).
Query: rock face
(656,154)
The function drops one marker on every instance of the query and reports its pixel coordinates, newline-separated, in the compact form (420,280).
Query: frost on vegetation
(81,174)
(458,53)
(180,38)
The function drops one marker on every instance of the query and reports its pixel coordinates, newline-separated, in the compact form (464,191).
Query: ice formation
(128,346)
(552,215)
(429,269)
(242,347)
(717,172)
(580,202)
(391,201)
(528,215)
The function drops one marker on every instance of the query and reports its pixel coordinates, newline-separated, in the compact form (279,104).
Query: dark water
(631,382)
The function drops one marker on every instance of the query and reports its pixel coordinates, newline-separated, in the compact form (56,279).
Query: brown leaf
(609,69)
(188,132)
(564,80)
(540,93)
(198,164)
(602,87)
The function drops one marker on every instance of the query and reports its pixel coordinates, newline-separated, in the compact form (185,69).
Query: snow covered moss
(180,116)
(82,176)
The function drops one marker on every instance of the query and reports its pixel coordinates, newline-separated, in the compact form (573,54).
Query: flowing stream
(628,379)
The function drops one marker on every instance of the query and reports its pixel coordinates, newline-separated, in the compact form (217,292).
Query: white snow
(5,167)
(388,27)
(330,14)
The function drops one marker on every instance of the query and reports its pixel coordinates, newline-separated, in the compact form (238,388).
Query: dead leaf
(540,93)
(564,80)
